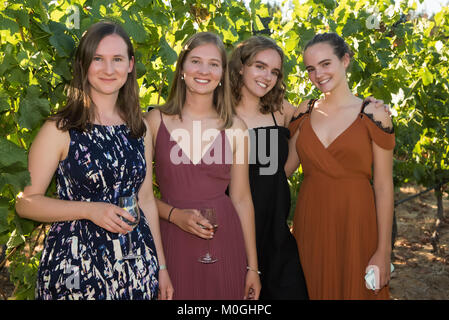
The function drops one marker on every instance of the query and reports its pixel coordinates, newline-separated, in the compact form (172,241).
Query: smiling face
(110,65)
(203,69)
(326,70)
(262,73)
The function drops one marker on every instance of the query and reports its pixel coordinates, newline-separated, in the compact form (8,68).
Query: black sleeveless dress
(282,276)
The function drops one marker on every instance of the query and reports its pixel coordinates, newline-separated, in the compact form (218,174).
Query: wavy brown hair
(79,110)
(244,54)
(222,94)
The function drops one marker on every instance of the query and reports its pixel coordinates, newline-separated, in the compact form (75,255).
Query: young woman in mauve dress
(342,222)
(200,150)
(100,148)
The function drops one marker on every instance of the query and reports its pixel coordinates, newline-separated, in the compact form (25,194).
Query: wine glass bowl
(129,203)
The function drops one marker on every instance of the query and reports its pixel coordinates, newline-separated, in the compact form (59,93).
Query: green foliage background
(402,60)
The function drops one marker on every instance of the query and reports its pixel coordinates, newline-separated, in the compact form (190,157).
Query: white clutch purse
(372,276)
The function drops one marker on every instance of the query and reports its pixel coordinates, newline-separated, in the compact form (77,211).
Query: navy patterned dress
(81,260)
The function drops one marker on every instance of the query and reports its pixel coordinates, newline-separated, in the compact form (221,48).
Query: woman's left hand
(381,259)
(252,286)
(379,103)
(165,291)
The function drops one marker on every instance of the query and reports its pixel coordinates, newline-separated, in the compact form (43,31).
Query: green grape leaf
(32,109)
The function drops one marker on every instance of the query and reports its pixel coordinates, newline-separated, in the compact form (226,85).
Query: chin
(324,88)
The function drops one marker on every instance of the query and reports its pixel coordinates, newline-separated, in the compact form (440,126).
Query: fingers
(191,220)
(165,291)
(249,295)
(162,294)
(252,286)
(124,214)
(377,103)
(371,99)
(380,103)
(170,292)
(383,281)
(113,220)
(201,226)
(121,225)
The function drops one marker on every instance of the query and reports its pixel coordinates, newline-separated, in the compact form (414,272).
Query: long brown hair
(222,94)
(244,54)
(79,111)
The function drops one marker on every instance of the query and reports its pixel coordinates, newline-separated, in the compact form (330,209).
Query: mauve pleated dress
(194,186)
(335,223)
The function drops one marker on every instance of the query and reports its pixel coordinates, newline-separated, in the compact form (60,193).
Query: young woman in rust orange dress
(342,222)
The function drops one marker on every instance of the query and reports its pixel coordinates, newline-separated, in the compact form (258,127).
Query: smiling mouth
(263,85)
(202,81)
(324,81)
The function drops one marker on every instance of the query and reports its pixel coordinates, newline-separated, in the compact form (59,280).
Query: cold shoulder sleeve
(295,123)
(382,135)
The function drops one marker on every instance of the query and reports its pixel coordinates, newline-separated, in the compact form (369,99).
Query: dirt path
(421,274)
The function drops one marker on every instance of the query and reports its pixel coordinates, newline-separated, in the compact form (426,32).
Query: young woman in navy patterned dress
(100,148)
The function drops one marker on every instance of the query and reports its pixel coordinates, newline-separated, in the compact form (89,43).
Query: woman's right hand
(191,220)
(107,216)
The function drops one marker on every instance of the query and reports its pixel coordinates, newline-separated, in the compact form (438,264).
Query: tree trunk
(435,239)
(439,196)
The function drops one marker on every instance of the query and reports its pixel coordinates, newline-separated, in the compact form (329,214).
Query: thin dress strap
(364,104)
(160,113)
(311,104)
(274,119)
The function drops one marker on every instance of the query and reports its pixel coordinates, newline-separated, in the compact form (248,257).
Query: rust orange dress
(335,222)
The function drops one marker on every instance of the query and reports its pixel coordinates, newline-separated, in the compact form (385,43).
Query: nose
(268,75)
(108,67)
(203,68)
(318,72)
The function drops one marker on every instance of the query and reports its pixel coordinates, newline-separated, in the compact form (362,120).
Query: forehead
(318,52)
(270,57)
(112,45)
(207,51)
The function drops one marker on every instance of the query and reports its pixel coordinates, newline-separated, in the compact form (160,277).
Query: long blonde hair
(222,94)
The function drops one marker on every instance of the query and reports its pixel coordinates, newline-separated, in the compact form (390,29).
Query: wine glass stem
(129,244)
(208,247)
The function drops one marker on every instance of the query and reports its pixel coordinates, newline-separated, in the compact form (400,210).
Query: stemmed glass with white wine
(209,214)
(129,203)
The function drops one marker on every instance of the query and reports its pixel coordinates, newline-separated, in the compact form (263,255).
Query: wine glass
(209,214)
(129,203)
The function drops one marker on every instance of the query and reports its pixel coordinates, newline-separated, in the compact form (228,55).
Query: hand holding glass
(209,214)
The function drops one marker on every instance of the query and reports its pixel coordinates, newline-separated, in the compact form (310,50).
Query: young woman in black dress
(258,95)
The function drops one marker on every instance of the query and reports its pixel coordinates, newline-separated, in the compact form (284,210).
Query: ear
(131,64)
(346,60)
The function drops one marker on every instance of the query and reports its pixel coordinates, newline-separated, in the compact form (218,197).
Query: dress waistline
(351,177)
(190,203)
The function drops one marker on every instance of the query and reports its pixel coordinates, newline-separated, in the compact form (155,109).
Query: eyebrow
(263,63)
(322,61)
(198,57)
(115,55)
